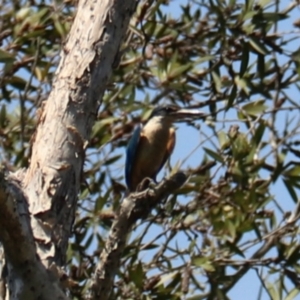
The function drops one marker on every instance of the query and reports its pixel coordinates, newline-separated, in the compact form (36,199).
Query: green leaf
(17,82)
(234,248)
(272,291)
(126,90)
(242,84)
(217,81)
(149,28)
(291,190)
(100,202)
(257,46)
(264,3)
(59,26)
(261,66)
(176,71)
(167,277)
(270,16)
(223,139)
(214,155)
(232,97)
(89,241)
(23,13)
(293,171)
(293,254)
(292,295)
(136,274)
(203,262)
(100,128)
(35,18)
(3,116)
(6,57)
(205,58)
(249,4)
(249,15)
(244,60)
(255,108)
(112,160)
(257,231)
(231,228)
(259,132)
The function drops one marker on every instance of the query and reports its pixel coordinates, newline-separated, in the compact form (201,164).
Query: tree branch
(31,279)
(52,181)
(135,206)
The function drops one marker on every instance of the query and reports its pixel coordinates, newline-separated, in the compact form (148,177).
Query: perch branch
(135,206)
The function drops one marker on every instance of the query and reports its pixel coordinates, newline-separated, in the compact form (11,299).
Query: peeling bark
(53,179)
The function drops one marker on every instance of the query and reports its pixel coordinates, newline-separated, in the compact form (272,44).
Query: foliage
(239,62)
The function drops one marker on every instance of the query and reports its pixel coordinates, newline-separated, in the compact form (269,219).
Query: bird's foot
(146,183)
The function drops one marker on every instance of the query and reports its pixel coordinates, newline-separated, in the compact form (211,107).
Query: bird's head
(173,113)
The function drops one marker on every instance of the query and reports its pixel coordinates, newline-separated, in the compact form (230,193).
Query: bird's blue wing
(131,153)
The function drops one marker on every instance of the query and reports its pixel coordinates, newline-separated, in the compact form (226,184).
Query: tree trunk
(38,205)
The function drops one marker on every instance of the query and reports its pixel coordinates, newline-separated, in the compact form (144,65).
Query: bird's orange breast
(155,146)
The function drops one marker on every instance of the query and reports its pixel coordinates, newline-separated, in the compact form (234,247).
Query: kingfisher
(152,144)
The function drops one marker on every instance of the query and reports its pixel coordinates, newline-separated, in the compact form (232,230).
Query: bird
(152,144)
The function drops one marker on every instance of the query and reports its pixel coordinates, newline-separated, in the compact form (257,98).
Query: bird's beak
(186,114)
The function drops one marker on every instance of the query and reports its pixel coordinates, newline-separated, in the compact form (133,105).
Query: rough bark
(28,278)
(51,183)
(53,179)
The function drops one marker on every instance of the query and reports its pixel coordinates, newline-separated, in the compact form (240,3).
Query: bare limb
(135,206)
(31,279)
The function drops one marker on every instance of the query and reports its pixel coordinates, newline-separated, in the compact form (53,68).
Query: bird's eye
(170,109)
